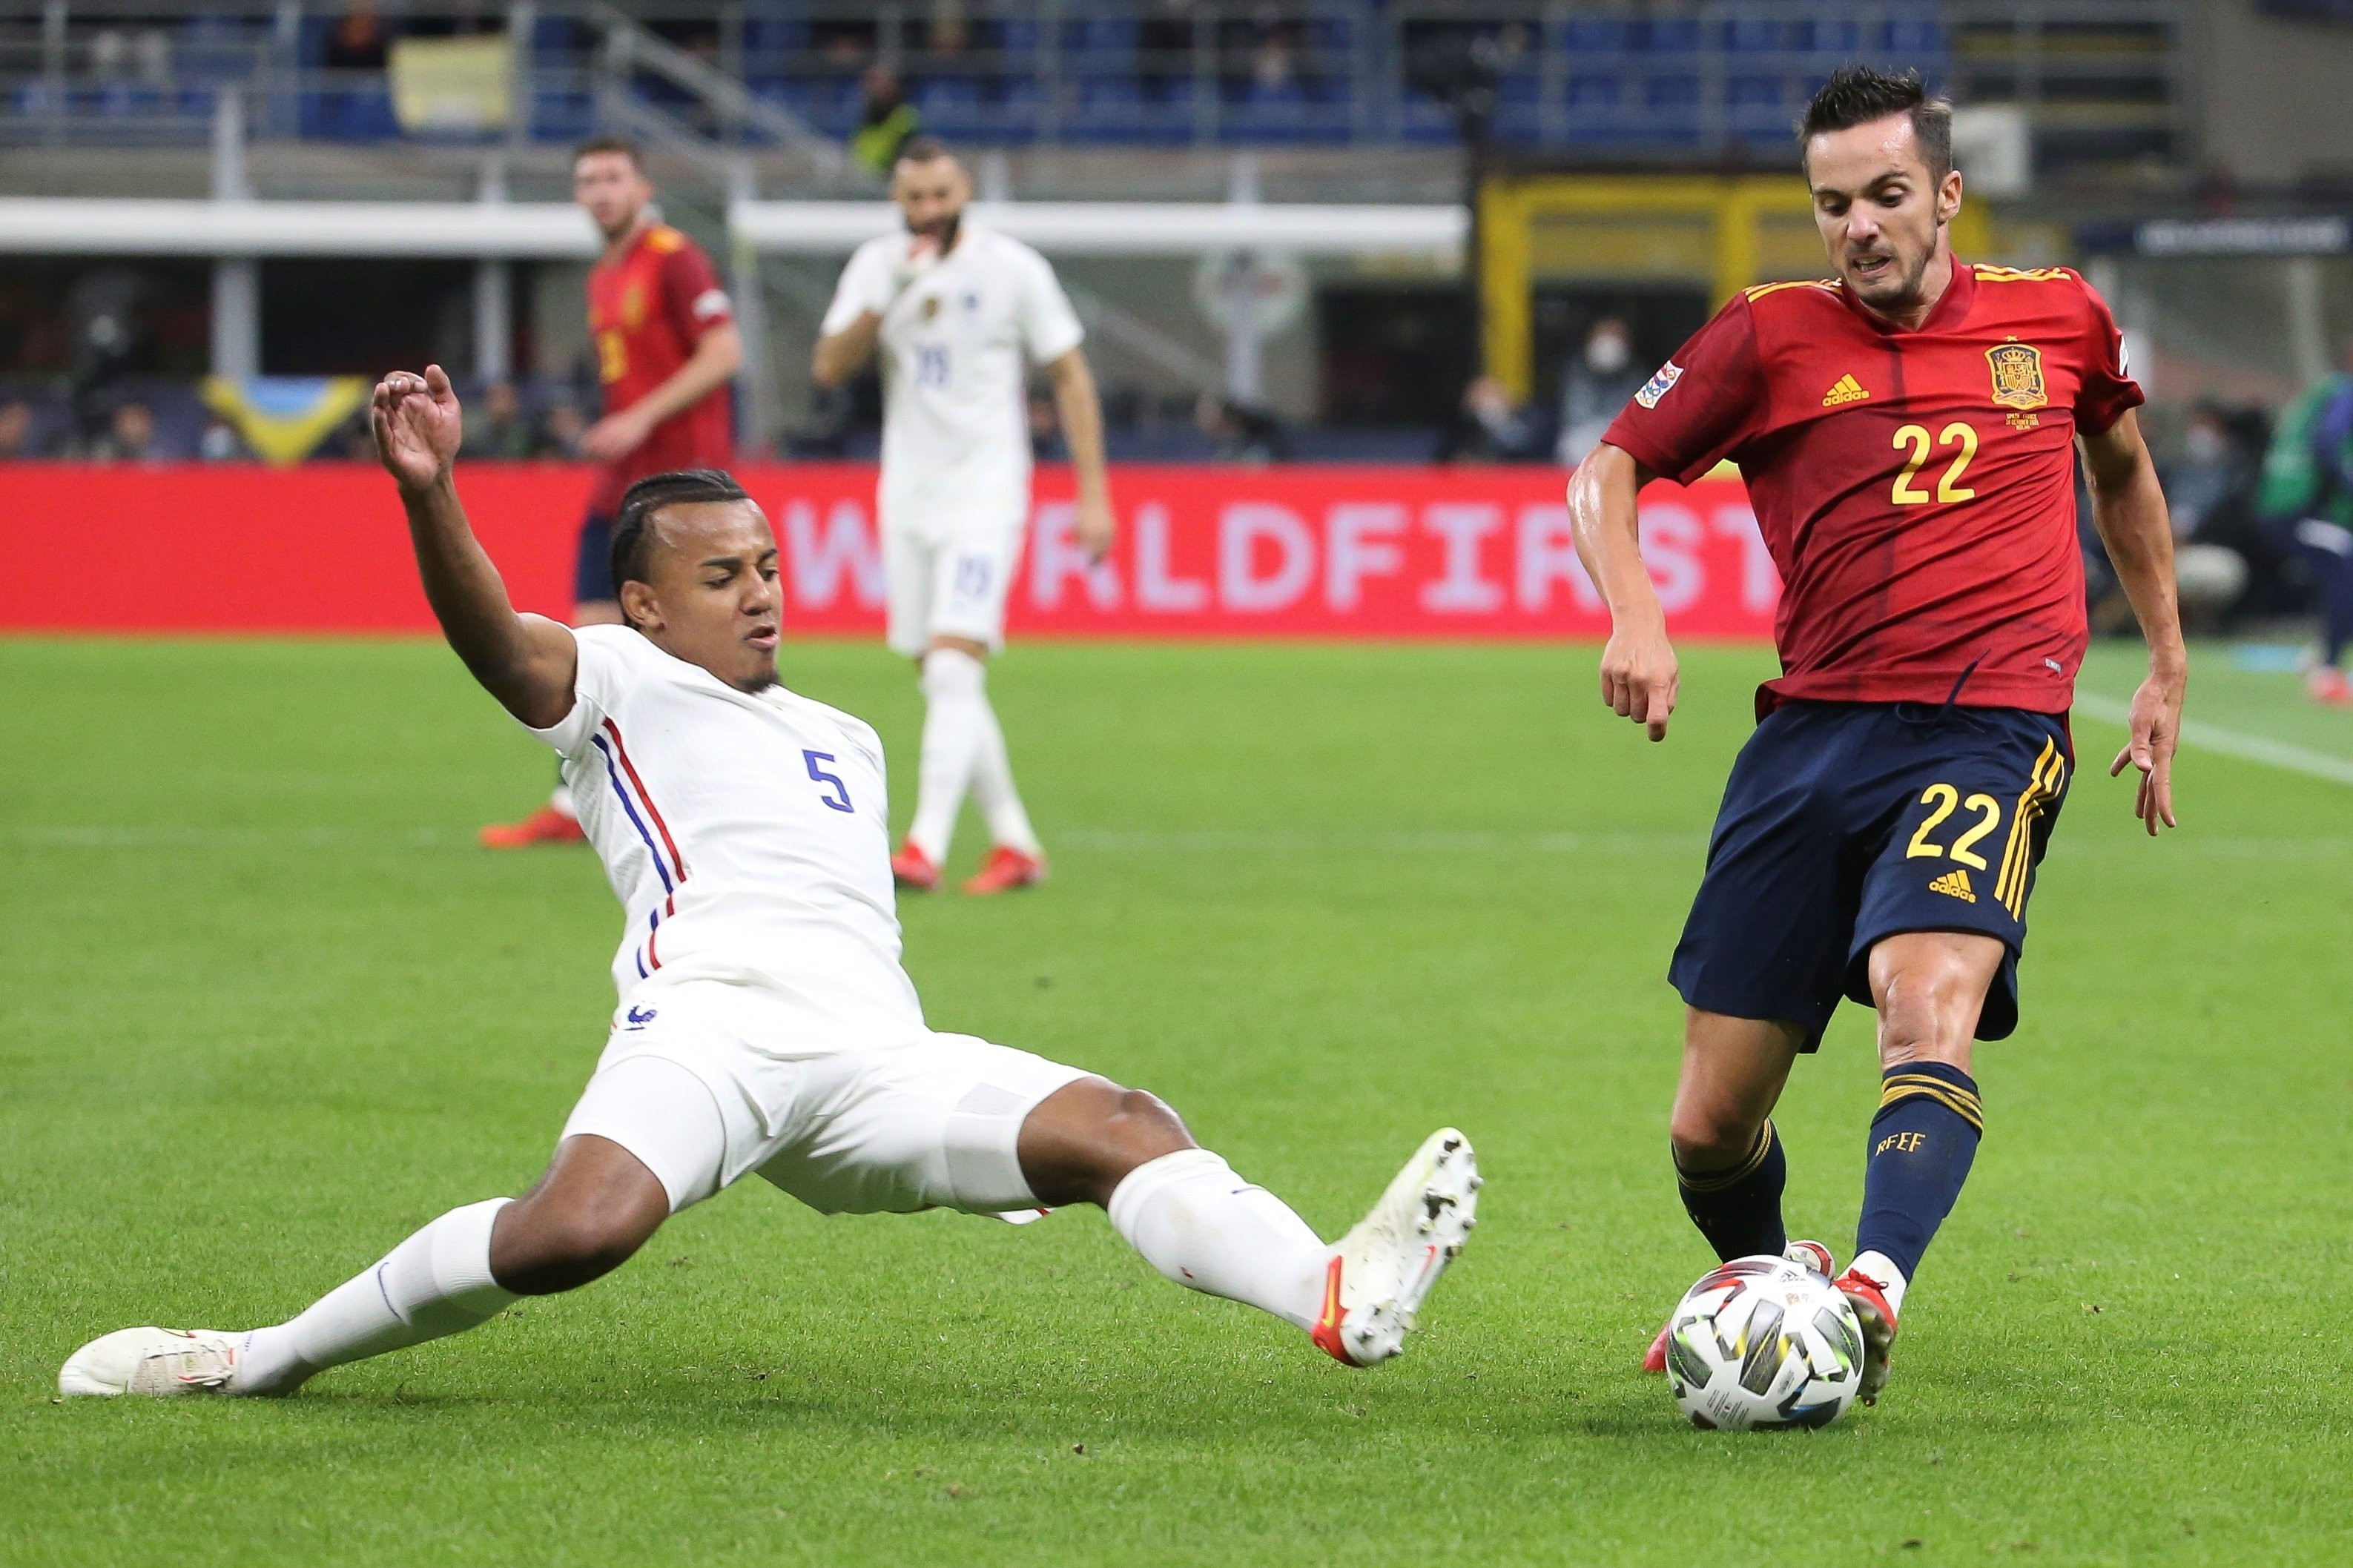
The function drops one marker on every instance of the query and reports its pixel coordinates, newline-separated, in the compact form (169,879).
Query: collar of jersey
(1949,312)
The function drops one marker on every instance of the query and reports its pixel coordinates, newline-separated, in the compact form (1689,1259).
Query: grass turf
(266,1008)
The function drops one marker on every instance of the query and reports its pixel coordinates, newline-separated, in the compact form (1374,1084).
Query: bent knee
(1709,1135)
(549,1252)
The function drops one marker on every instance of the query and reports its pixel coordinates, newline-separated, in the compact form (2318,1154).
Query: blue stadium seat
(950,105)
(1594,35)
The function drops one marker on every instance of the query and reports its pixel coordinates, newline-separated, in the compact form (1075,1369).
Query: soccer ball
(1763,1341)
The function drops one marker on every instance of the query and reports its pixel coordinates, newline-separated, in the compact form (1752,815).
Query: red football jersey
(646,312)
(1917,487)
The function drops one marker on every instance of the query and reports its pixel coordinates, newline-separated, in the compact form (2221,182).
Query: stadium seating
(1668,78)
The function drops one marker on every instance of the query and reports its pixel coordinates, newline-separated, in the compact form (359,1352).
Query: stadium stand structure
(1660,81)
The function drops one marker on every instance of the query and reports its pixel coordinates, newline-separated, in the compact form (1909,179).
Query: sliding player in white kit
(764,1023)
(960,311)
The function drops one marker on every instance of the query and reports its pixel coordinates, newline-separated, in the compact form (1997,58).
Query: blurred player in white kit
(765,1023)
(960,312)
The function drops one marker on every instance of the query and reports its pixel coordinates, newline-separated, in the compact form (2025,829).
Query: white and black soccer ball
(1763,1341)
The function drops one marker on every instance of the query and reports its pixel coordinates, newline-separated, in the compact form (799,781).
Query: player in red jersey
(666,349)
(1907,433)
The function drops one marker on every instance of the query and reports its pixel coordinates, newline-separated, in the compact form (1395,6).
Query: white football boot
(152,1361)
(1382,1271)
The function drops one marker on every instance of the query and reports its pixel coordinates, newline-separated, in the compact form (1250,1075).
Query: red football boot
(545,825)
(2329,687)
(1005,869)
(913,869)
(1868,1298)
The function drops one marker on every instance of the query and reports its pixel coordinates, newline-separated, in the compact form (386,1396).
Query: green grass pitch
(265,1007)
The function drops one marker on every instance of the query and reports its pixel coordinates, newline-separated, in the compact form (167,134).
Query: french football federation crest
(931,306)
(2017,376)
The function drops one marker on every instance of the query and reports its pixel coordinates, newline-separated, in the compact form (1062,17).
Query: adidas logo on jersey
(1955,884)
(1848,390)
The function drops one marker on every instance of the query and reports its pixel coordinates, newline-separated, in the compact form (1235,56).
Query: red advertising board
(1293,552)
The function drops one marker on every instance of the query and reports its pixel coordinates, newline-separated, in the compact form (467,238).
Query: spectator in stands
(1244,433)
(126,53)
(2211,493)
(887,122)
(1164,41)
(560,429)
(16,430)
(359,42)
(497,429)
(2307,501)
(130,436)
(1594,386)
(1491,427)
(220,442)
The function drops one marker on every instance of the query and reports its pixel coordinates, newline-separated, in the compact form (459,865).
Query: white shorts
(932,1122)
(950,586)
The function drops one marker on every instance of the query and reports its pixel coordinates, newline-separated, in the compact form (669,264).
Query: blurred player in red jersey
(666,349)
(1908,435)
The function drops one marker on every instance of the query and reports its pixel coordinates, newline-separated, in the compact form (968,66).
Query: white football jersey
(956,427)
(748,837)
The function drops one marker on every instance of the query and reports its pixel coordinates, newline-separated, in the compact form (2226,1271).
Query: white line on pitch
(2228,743)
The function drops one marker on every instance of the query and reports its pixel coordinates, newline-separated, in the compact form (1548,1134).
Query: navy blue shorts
(1848,823)
(592,566)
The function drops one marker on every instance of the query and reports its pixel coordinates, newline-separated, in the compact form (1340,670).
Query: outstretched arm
(2129,508)
(1080,412)
(527,662)
(1639,676)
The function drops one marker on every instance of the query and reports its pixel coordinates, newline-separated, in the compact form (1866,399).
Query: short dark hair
(632,536)
(625,146)
(1857,95)
(919,149)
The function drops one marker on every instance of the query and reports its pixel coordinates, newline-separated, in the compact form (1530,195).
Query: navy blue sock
(1739,1210)
(1922,1142)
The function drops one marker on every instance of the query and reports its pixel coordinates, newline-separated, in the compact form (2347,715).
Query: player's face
(712,598)
(613,189)
(931,195)
(1880,214)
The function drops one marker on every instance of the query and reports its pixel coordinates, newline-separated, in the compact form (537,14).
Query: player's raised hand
(418,426)
(1639,676)
(2155,734)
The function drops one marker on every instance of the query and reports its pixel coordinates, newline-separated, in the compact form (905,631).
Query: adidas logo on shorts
(1955,884)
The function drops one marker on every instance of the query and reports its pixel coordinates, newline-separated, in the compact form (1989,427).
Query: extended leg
(595,1206)
(955,715)
(1202,1226)
(1929,987)
(1729,1168)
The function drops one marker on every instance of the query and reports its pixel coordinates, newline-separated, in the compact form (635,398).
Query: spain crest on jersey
(2017,376)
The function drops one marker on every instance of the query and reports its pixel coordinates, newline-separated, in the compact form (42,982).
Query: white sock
(992,787)
(561,801)
(1879,1267)
(435,1283)
(1204,1226)
(955,699)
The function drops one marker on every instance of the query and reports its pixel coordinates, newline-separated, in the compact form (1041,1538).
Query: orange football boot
(1005,869)
(545,825)
(913,869)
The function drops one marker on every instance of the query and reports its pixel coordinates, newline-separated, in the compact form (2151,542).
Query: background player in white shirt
(960,312)
(764,1022)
